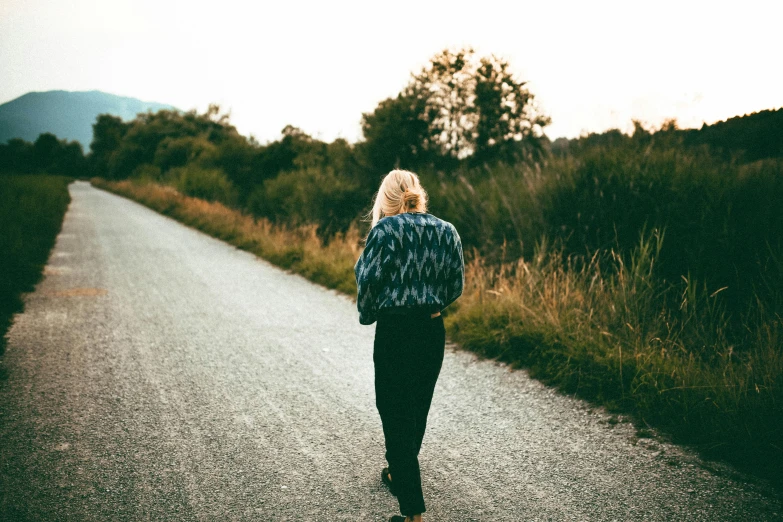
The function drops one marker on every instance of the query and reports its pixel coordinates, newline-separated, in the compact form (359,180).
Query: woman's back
(411,260)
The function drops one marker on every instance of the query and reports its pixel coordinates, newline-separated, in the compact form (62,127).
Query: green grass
(32,208)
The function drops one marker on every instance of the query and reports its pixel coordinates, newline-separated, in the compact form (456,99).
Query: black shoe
(386,480)
(397,518)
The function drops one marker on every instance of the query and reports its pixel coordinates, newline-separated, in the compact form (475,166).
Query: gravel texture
(160,374)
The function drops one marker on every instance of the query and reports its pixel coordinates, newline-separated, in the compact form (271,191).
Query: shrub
(208,184)
(309,196)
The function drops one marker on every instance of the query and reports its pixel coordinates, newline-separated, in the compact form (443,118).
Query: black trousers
(408,355)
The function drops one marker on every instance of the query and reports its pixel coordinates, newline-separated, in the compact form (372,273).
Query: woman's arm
(456,270)
(369,275)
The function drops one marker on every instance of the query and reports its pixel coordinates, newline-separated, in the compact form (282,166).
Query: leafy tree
(446,87)
(296,149)
(107,134)
(233,155)
(177,151)
(46,149)
(341,157)
(16,156)
(166,139)
(459,108)
(70,160)
(396,133)
(47,155)
(208,184)
(507,125)
(748,138)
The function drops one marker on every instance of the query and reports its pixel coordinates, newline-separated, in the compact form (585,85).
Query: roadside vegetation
(298,249)
(643,272)
(32,208)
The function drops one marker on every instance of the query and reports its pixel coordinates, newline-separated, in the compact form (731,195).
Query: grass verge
(602,329)
(32,208)
(296,249)
(611,333)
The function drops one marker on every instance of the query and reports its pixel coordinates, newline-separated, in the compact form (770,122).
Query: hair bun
(410,199)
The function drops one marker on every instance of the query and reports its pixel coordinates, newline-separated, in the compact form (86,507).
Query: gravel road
(160,374)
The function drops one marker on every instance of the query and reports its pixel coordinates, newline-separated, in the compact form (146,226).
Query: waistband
(400,311)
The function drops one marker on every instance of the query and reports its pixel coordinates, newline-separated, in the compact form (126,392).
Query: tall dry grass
(607,330)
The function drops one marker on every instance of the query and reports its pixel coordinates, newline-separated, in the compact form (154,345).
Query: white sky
(319,65)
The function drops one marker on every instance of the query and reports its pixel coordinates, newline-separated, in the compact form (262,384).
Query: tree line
(47,154)
(461,110)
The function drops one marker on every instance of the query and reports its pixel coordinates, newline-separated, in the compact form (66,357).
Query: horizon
(321,77)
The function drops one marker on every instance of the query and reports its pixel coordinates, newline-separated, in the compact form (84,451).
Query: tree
(166,139)
(447,88)
(107,134)
(508,126)
(46,150)
(70,160)
(395,134)
(459,108)
(47,155)
(16,156)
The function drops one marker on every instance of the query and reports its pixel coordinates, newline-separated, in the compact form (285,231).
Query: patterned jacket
(411,260)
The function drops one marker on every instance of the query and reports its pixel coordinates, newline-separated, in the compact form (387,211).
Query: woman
(410,270)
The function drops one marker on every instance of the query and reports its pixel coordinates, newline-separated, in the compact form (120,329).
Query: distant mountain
(68,115)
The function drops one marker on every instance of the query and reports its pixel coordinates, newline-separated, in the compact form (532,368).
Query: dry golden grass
(297,249)
(607,331)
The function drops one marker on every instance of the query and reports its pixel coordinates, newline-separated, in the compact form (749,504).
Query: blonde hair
(400,192)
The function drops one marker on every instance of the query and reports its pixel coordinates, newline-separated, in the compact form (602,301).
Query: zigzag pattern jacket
(410,260)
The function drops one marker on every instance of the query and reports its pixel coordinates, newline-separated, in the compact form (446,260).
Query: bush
(495,209)
(309,196)
(147,172)
(722,220)
(208,184)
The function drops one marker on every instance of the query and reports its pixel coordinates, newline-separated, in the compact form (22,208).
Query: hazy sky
(592,65)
